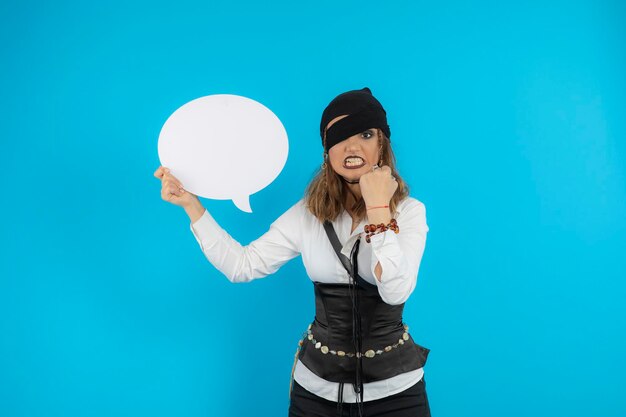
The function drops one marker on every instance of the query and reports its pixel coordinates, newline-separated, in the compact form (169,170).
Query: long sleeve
(261,257)
(400,254)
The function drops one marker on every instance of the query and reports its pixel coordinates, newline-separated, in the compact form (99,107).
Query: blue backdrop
(508,122)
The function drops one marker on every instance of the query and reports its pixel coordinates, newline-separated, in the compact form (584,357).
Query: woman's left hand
(378,186)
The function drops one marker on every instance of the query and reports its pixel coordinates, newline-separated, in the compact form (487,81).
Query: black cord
(356,327)
(340,399)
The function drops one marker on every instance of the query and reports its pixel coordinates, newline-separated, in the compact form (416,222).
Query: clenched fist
(378,186)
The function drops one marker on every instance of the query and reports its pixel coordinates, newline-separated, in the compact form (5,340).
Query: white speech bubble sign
(224,147)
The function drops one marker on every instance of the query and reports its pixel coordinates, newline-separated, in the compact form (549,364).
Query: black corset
(381,331)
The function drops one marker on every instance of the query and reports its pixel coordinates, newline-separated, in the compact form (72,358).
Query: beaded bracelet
(372,229)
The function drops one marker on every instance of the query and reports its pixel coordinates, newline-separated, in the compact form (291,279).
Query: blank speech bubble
(224,147)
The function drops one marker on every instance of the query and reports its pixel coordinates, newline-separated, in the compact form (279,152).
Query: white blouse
(298,232)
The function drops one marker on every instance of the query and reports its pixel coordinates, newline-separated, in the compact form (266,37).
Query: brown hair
(326,193)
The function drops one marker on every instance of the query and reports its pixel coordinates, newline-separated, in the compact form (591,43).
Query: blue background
(508,123)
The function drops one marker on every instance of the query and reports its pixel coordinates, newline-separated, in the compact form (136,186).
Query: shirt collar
(345,224)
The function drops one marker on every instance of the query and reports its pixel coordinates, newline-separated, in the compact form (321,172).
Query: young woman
(361,238)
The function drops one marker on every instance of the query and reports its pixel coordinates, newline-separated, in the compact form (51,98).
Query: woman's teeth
(354,162)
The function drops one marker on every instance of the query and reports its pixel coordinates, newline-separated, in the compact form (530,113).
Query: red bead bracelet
(372,229)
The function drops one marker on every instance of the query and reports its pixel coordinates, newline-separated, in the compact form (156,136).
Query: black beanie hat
(363,110)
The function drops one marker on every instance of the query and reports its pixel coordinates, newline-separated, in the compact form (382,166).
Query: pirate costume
(357,350)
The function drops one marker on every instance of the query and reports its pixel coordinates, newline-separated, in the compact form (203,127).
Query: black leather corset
(329,349)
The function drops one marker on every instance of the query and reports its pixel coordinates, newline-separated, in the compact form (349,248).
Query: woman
(356,357)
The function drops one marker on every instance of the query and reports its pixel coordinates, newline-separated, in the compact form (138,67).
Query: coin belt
(370,353)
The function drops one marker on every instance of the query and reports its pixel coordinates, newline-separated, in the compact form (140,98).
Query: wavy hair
(326,193)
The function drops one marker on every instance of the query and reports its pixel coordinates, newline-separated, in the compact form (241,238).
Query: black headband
(352,125)
(363,110)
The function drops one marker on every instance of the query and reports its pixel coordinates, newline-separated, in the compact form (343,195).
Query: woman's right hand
(172,190)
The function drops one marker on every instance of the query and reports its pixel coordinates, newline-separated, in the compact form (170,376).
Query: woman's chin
(352,177)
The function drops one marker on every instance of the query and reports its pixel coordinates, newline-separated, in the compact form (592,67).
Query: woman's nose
(353,143)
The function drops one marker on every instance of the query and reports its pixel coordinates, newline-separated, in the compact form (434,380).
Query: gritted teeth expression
(355,155)
(353,162)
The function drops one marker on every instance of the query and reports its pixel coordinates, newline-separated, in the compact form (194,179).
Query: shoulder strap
(334,240)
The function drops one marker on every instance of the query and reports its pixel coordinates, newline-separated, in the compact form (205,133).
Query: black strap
(351,266)
(334,240)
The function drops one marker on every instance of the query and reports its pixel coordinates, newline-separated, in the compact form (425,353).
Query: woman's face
(355,155)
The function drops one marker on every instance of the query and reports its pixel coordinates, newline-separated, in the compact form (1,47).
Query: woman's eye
(367,134)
